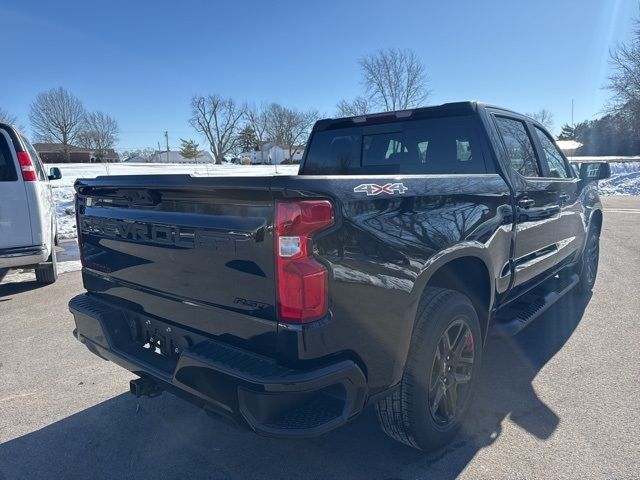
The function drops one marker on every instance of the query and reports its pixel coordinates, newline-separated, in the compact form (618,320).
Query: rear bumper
(22,256)
(252,389)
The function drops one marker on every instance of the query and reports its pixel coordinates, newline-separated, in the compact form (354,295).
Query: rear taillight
(301,279)
(26,165)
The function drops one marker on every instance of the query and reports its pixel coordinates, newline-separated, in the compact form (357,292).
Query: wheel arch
(466,269)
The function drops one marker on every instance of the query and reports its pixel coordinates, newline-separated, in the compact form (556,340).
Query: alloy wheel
(451,372)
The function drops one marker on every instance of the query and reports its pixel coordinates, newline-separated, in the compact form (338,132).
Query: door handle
(526,202)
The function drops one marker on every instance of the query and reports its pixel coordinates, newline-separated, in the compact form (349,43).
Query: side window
(553,157)
(7,167)
(519,146)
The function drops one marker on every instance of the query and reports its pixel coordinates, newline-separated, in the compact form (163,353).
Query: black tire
(3,273)
(407,414)
(589,261)
(48,273)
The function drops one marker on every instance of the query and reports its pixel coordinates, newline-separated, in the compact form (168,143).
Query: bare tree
(624,82)
(99,133)
(394,79)
(288,127)
(257,118)
(57,116)
(359,106)
(6,117)
(544,117)
(217,119)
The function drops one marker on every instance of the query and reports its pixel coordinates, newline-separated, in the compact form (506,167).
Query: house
(172,156)
(54,153)
(273,154)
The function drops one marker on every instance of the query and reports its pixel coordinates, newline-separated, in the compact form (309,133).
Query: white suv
(28,229)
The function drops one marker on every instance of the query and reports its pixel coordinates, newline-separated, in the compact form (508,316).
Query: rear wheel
(589,261)
(47,273)
(426,411)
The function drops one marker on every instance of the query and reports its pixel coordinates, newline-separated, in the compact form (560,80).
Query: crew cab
(373,277)
(28,228)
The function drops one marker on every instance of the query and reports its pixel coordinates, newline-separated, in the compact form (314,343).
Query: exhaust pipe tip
(143,387)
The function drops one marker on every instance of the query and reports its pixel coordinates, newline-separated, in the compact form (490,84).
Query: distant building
(176,157)
(54,153)
(273,154)
(568,147)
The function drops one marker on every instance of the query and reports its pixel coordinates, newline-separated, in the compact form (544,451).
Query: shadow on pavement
(168,438)
(8,288)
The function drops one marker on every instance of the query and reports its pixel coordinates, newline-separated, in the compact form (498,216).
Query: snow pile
(625,179)
(63,189)
(63,196)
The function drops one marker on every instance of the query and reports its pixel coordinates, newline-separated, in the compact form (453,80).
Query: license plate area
(162,339)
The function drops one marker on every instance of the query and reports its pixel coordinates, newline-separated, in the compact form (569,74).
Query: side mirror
(594,171)
(55,173)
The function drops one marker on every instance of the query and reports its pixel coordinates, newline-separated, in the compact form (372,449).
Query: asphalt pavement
(560,400)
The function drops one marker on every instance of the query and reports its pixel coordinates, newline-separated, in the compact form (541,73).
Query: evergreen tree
(567,133)
(189,149)
(247,139)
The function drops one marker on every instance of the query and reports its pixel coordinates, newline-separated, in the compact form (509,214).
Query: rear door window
(8,171)
(439,145)
(519,146)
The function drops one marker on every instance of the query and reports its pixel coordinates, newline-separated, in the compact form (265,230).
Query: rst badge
(374,189)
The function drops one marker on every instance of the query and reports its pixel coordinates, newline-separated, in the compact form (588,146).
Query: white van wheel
(47,272)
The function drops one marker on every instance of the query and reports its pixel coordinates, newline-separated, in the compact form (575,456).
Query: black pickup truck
(373,277)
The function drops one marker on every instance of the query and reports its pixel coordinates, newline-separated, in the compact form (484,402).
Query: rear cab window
(8,171)
(437,145)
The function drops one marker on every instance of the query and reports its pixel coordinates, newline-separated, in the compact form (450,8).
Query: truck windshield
(427,146)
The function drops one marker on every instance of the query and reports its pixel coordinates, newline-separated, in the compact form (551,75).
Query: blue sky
(141,61)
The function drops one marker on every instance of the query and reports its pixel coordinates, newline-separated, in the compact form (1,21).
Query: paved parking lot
(562,399)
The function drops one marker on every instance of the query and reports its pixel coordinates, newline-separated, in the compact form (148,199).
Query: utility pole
(166,136)
(573,125)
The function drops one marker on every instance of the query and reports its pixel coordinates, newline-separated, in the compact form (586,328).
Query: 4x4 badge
(374,189)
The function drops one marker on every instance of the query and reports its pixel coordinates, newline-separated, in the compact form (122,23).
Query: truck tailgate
(173,245)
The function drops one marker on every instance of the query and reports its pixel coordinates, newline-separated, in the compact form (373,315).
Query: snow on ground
(63,189)
(625,179)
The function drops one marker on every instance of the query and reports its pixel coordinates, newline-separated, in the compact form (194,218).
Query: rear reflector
(302,280)
(26,165)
